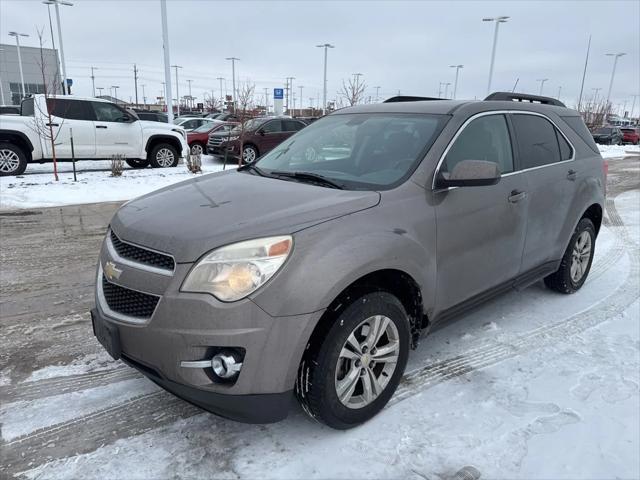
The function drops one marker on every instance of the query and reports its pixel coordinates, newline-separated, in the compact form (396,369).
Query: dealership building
(10,82)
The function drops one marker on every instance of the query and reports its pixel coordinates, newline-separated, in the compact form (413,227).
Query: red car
(630,135)
(198,138)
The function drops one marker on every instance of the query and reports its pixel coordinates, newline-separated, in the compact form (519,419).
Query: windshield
(358,151)
(205,127)
(603,131)
(249,125)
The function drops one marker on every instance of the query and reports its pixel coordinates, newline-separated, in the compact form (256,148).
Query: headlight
(235,271)
(180,131)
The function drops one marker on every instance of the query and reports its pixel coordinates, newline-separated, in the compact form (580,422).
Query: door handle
(571,175)
(516,196)
(52,125)
(101,126)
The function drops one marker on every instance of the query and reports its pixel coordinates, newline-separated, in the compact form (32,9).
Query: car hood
(193,217)
(159,125)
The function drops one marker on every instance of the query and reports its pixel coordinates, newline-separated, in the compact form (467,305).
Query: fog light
(225,365)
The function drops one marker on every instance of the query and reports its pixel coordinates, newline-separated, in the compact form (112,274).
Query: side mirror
(471,173)
(261,132)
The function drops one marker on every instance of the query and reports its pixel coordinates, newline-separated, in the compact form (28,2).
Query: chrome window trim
(102,301)
(500,112)
(140,266)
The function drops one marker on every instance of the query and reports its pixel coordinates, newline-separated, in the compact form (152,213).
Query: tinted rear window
(71,109)
(537,140)
(28,108)
(578,126)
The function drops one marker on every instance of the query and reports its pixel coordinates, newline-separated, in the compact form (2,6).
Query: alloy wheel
(9,161)
(248,155)
(165,157)
(580,256)
(196,149)
(367,361)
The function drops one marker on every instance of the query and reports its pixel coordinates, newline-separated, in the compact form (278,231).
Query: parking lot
(504,388)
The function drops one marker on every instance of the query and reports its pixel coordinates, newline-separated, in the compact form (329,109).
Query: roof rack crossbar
(408,98)
(525,97)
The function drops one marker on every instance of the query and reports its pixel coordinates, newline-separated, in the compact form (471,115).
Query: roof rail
(408,98)
(525,97)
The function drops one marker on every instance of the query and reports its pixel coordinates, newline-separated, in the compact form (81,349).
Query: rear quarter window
(28,109)
(577,125)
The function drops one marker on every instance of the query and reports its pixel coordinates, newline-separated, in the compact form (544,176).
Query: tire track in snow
(491,354)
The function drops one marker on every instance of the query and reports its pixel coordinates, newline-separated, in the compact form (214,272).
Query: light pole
(559,92)
(613,72)
(595,94)
(377,94)
(541,80)
(53,45)
(300,87)
(93,80)
(498,21)
(177,90)
(289,81)
(446,89)
(455,85)
(440,84)
(233,79)
(144,97)
(324,82)
(190,97)
(266,100)
(633,105)
(2,89)
(168,99)
(57,3)
(222,99)
(18,35)
(99,91)
(115,90)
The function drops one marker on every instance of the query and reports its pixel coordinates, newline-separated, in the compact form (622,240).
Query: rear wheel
(576,262)
(13,160)
(249,154)
(197,148)
(163,155)
(137,163)
(354,369)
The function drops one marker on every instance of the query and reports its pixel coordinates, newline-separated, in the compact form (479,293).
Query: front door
(117,132)
(480,230)
(272,137)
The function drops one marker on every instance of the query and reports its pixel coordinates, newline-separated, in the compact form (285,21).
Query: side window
(28,109)
(190,124)
(107,112)
(292,126)
(274,126)
(537,140)
(485,138)
(566,152)
(69,109)
(578,126)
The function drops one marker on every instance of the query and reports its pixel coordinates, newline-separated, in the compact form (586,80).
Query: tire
(137,163)
(575,266)
(325,370)
(164,155)
(197,148)
(249,154)
(13,160)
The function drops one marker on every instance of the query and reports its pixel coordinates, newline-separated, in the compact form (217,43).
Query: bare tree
(595,114)
(244,111)
(352,91)
(42,122)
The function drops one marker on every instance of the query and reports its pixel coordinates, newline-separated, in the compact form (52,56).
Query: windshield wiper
(253,168)
(309,177)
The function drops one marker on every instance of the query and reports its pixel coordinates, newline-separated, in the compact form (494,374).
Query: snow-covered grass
(618,151)
(37,188)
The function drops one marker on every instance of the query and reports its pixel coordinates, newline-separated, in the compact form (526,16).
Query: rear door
(480,230)
(272,137)
(547,160)
(117,132)
(70,118)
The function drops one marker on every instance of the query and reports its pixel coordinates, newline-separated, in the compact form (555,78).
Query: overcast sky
(399,46)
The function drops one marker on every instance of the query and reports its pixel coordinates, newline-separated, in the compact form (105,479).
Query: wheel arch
(594,213)
(154,140)
(19,139)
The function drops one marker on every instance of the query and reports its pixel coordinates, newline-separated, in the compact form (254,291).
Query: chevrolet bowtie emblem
(111,271)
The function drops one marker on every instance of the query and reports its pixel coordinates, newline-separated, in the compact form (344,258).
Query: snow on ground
(93,362)
(618,151)
(37,188)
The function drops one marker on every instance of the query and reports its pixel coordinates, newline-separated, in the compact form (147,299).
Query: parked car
(314,275)
(198,138)
(101,129)
(630,135)
(191,123)
(261,135)
(152,116)
(9,110)
(307,120)
(608,135)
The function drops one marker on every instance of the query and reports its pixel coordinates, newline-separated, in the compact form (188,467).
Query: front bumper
(188,327)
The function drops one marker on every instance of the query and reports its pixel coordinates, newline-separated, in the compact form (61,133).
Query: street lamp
(233,76)
(177,89)
(301,87)
(324,83)
(377,94)
(64,66)
(289,82)
(166,85)
(115,90)
(455,85)
(541,80)
(446,89)
(18,35)
(613,72)
(498,21)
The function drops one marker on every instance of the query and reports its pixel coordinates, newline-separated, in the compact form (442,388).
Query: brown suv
(261,135)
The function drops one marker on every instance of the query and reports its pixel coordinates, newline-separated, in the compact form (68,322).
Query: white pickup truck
(100,130)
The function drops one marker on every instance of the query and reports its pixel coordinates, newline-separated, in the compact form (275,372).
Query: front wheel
(197,148)
(576,262)
(352,371)
(249,154)
(137,163)
(13,160)
(164,155)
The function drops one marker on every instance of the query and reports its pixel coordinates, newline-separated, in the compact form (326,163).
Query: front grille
(142,255)
(128,302)
(215,141)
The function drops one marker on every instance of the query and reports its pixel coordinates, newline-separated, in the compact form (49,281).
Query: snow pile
(37,187)
(618,151)
(94,362)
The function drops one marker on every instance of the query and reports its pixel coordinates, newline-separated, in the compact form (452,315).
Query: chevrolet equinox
(312,272)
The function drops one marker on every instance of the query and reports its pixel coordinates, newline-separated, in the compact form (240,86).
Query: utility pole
(144,97)
(613,72)
(177,89)
(93,80)
(115,90)
(168,99)
(324,82)
(18,35)
(99,91)
(559,92)
(135,81)
(541,80)
(455,85)
(584,73)
(440,84)
(222,99)
(233,77)
(446,90)
(190,97)
(266,100)
(300,87)
(377,93)
(498,21)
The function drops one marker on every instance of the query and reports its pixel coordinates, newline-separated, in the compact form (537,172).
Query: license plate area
(107,335)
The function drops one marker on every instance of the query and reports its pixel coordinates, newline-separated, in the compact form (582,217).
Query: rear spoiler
(407,98)
(525,97)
